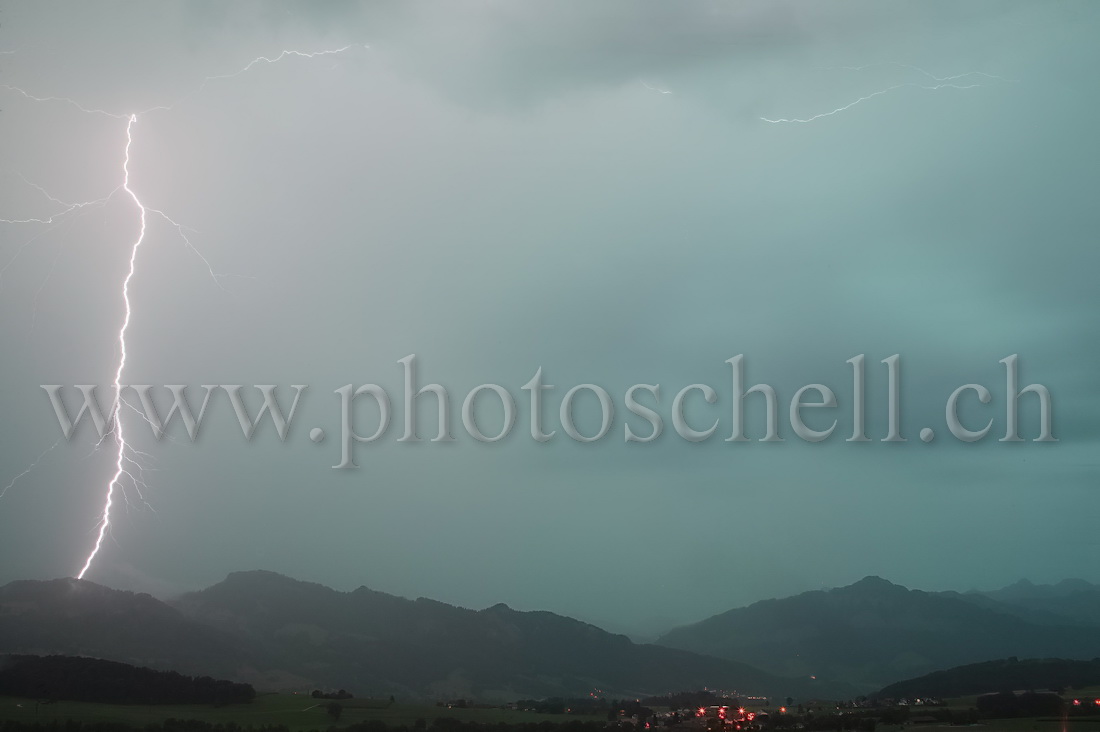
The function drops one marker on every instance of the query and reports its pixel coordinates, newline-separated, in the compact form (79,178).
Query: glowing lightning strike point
(105,519)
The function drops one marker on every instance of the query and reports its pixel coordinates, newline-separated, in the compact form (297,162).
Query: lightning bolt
(105,519)
(940,82)
(126,459)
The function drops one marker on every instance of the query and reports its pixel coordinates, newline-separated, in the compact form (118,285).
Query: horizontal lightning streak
(657,89)
(267,60)
(862,99)
(942,82)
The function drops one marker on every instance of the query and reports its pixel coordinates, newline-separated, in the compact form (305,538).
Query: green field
(1028,724)
(1086,695)
(295,711)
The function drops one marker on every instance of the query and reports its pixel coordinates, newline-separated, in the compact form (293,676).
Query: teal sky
(593,189)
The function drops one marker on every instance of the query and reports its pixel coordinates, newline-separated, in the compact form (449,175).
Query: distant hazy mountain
(996,676)
(874,632)
(1071,601)
(273,631)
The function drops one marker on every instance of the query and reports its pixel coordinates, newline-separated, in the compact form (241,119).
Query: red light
(750,716)
(702,711)
(1076,702)
(782,710)
(1097,702)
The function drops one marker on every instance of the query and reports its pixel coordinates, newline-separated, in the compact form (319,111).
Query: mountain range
(873,632)
(280,633)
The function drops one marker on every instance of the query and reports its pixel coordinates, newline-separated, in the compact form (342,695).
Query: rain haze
(616,193)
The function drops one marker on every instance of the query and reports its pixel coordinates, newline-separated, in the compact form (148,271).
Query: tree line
(70,678)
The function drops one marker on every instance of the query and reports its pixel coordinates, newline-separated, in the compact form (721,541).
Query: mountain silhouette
(276,633)
(81,618)
(874,632)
